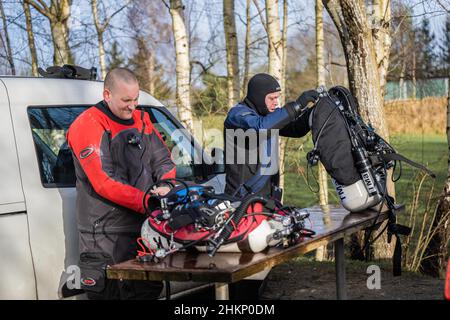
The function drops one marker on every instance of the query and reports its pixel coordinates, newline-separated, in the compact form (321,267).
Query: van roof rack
(68,71)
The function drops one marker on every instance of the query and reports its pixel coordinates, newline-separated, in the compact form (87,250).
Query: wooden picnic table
(225,268)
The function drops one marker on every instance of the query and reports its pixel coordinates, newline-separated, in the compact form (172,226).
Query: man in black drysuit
(251,136)
(118,154)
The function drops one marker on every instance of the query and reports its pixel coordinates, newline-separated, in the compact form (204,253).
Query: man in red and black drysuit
(117,154)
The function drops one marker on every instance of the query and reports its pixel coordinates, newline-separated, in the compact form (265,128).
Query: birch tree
(148,60)
(320,65)
(275,56)
(275,52)
(58,14)
(183,97)
(231,42)
(284,46)
(7,41)
(248,37)
(321,252)
(100,28)
(30,36)
(380,18)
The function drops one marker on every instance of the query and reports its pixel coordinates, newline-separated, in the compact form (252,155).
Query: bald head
(121,92)
(119,75)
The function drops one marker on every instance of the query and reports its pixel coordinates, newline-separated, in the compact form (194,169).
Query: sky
(301,18)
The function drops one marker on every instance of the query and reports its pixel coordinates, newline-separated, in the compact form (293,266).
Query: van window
(179,143)
(49,127)
(50,124)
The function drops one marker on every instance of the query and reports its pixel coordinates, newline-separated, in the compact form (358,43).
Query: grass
(429,150)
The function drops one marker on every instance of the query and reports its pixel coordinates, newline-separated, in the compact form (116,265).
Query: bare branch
(166,4)
(107,21)
(442,5)
(204,68)
(333,63)
(44,10)
(263,22)
(258,40)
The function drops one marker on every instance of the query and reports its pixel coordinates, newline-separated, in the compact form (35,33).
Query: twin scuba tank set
(356,158)
(194,216)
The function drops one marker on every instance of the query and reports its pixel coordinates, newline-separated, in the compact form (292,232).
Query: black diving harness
(373,154)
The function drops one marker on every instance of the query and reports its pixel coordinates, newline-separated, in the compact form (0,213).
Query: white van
(38,229)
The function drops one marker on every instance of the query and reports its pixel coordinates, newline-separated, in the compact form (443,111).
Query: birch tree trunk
(323,178)
(7,40)
(321,252)
(58,15)
(246,49)
(283,140)
(60,34)
(275,40)
(100,30)
(232,53)
(275,54)
(284,46)
(182,64)
(364,75)
(436,253)
(381,17)
(31,42)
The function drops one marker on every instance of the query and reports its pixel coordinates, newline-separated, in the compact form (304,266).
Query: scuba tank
(344,158)
(364,193)
(356,197)
(356,158)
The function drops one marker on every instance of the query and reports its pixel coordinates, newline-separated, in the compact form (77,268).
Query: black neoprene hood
(259,86)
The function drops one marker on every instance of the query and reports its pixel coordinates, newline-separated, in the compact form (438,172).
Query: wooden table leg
(341,285)
(222,291)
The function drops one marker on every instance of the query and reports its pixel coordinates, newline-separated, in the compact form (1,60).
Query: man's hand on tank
(306,97)
(160,191)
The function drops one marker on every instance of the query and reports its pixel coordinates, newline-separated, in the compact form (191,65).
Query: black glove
(297,107)
(293,109)
(306,97)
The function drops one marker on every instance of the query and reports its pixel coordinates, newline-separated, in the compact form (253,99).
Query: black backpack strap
(399,157)
(397,258)
(396,230)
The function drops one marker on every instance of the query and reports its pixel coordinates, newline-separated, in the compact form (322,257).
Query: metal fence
(421,88)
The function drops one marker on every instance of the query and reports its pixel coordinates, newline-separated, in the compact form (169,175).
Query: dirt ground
(308,280)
